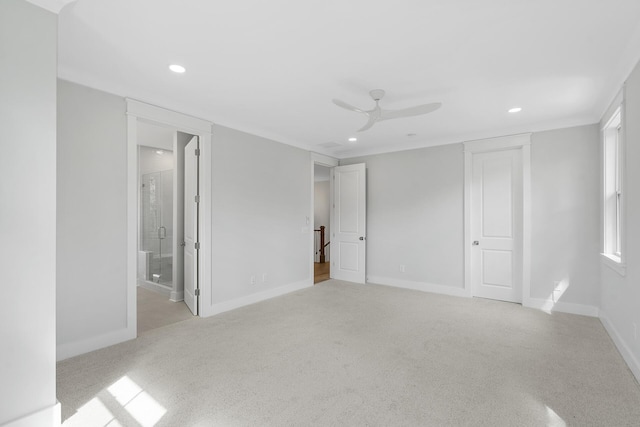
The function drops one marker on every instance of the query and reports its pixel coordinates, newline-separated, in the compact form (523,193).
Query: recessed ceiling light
(352,139)
(515,110)
(160,152)
(177,68)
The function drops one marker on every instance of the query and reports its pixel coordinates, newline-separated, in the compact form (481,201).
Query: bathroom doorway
(160,291)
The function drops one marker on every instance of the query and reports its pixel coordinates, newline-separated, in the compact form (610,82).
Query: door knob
(475,243)
(361,238)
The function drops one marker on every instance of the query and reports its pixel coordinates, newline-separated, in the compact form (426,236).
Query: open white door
(191,242)
(496,225)
(348,224)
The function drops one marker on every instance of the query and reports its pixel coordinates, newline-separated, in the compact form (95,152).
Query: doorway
(161,196)
(184,128)
(321,224)
(497,194)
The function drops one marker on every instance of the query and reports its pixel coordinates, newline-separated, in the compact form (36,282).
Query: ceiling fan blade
(409,112)
(372,120)
(348,106)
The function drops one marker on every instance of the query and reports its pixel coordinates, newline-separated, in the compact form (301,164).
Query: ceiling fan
(378,114)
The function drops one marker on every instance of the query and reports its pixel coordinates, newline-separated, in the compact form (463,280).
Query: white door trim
(330,162)
(187,124)
(497,144)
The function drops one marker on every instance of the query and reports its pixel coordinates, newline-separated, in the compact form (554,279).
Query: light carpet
(347,354)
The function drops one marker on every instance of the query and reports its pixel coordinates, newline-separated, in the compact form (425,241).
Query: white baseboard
(176,296)
(622,347)
(260,296)
(67,350)
(561,307)
(418,286)
(47,417)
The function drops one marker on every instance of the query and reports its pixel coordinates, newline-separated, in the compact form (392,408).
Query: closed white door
(191,202)
(348,224)
(496,225)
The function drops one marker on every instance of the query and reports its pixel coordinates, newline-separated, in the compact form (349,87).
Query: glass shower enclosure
(156,227)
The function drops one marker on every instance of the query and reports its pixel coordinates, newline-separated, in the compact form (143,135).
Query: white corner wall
(415,218)
(28,37)
(565,212)
(261,219)
(620,295)
(92,220)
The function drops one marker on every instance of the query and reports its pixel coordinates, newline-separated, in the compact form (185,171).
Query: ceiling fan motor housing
(377,94)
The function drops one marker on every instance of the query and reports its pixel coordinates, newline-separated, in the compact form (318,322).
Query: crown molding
(54,6)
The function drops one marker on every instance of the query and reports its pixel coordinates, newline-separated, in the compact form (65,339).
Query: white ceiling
(272,68)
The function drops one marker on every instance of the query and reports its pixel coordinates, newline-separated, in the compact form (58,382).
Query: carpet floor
(347,354)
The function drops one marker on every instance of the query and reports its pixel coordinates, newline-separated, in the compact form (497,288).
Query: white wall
(28,37)
(92,214)
(565,215)
(415,217)
(620,303)
(321,203)
(260,209)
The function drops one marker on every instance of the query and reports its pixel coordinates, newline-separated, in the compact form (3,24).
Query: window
(613,186)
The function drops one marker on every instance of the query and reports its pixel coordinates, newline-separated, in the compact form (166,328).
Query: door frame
(523,142)
(330,162)
(187,124)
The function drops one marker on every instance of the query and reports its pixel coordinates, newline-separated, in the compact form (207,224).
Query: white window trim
(615,261)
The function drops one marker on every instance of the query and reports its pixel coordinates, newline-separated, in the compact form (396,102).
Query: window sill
(614,263)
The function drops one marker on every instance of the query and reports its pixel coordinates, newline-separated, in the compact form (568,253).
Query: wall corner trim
(622,347)
(418,286)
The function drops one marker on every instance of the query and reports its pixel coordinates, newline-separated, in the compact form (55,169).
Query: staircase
(321,266)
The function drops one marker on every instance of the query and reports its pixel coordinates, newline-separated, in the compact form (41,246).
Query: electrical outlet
(402,268)
(264,277)
(253,280)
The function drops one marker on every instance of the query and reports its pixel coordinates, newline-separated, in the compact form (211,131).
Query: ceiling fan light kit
(377,114)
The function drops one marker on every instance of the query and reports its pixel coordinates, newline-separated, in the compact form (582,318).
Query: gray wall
(621,295)
(260,205)
(92,214)
(565,212)
(415,215)
(28,37)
